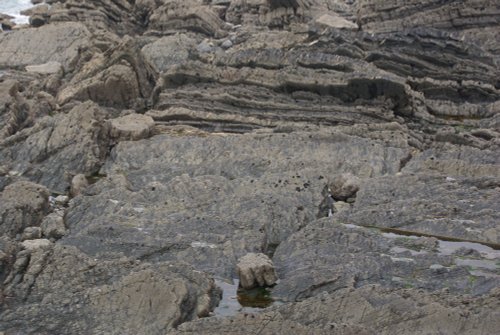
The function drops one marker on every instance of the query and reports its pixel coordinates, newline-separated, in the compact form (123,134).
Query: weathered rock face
(213,198)
(56,43)
(368,310)
(22,204)
(327,256)
(59,289)
(439,205)
(396,15)
(58,147)
(354,143)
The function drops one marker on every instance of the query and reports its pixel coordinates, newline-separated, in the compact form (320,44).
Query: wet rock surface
(147,146)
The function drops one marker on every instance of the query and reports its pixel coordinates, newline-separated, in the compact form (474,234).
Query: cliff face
(145,146)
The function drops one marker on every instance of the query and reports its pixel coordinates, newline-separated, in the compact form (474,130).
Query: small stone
(32,245)
(205,46)
(256,270)
(47,68)
(132,127)
(61,200)
(78,184)
(53,226)
(31,233)
(344,186)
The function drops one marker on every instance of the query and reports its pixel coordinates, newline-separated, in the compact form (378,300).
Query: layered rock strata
(146,146)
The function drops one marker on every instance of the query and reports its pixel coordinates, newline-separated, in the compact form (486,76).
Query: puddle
(448,248)
(395,232)
(235,300)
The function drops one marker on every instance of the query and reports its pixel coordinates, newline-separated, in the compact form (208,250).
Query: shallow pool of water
(235,300)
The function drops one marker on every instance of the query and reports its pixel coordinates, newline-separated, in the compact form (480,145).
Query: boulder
(344,186)
(33,245)
(256,270)
(31,233)
(131,127)
(22,204)
(53,226)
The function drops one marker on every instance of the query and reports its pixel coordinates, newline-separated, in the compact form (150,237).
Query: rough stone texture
(209,200)
(344,186)
(368,310)
(78,184)
(56,43)
(55,287)
(169,51)
(22,204)
(33,245)
(438,205)
(118,78)
(131,127)
(47,68)
(31,233)
(58,147)
(256,270)
(53,226)
(327,256)
(255,109)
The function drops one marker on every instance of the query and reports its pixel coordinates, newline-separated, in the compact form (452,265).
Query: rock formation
(146,146)
(256,270)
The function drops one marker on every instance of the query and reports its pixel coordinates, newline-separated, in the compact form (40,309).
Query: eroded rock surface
(146,146)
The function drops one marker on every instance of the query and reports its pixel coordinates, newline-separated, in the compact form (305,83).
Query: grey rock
(59,147)
(31,233)
(344,186)
(53,226)
(226,44)
(169,51)
(401,98)
(256,270)
(22,204)
(122,78)
(354,311)
(328,256)
(56,43)
(111,295)
(78,184)
(33,245)
(460,207)
(211,199)
(131,127)
(47,68)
